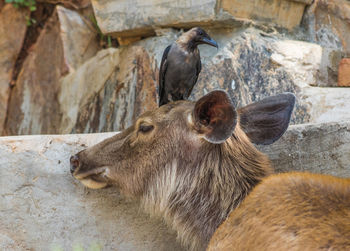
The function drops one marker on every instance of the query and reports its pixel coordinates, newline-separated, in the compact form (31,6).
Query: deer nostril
(74,163)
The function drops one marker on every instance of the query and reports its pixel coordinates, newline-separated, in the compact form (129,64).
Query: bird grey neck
(189,47)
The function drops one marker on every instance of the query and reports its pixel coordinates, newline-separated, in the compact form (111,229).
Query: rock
(43,208)
(78,87)
(108,92)
(75,4)
(344,72)
(33,107)
(304,62)
(12,29)
(327,75)
(112,89)
(327,22)
(79,38)
(284,13)
(318,148)
(327,104)
(65,43)
(131,19)
(301,59)
(38,192)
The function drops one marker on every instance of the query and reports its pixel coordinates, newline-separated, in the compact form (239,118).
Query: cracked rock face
(12,29)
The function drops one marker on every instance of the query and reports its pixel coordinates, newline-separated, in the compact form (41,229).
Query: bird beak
(210,42)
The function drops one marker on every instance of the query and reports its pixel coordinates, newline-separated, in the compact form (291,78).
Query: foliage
(106,41)
(30,4)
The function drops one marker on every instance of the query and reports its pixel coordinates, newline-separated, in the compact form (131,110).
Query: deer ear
(215,117)
(265,121)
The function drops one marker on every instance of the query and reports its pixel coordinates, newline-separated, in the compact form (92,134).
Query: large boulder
(12,29)
(33,107)
(43,207)
(66,41)
(327,22)
(133,18)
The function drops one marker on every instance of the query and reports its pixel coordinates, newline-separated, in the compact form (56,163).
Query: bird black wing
(162,71)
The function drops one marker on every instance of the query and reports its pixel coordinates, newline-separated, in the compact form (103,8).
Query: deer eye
(145,128)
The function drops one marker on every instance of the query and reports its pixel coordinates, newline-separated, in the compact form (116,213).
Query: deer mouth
(94,179)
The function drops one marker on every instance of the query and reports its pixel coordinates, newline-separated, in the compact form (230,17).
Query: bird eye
(145,128)
(200,33)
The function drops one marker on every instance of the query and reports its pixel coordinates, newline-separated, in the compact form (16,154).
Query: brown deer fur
(292,211)
(179,163)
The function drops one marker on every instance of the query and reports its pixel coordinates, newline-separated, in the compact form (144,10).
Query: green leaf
(32,8)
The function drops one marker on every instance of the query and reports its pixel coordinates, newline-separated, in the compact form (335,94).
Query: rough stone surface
(287,14)
(303,62)
(319,148)
(12,29)
(140,18)
(77,87)
(109,91)
(78,38)
(66,42)
(75,4)
(327,75)
(43,208)
(344,72)
(327,22)
(33,107)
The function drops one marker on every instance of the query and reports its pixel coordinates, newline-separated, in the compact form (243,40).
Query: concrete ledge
(318,148)
(43,207)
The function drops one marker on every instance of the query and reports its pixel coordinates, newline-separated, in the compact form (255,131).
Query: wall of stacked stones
(81,66)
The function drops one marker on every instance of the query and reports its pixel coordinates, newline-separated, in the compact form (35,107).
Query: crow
(181,65)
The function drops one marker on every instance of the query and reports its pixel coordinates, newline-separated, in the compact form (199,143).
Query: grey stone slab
(43,208)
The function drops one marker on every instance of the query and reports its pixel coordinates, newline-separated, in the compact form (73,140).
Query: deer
(195,164)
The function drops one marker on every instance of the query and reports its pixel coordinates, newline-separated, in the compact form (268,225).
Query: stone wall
(64,80)
(42,207)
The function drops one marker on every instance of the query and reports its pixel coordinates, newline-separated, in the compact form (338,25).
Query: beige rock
(109,91)
(12,29)
(78,36)
(65,43)
(44,208)
(344,72)
(285,13)
(142,18)
(328,23)
(303,62)
(76,4)
(300,58)
(77,87)
(33,107)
